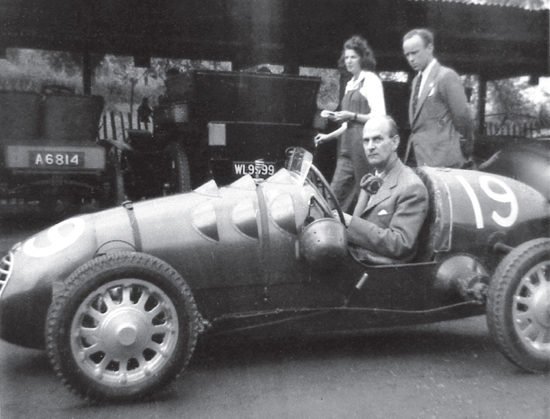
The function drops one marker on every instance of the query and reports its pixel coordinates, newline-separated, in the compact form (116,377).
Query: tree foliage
(506,97)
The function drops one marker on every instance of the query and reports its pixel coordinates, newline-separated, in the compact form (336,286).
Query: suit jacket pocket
(383,217)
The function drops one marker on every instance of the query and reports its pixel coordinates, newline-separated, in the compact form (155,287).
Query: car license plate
(56,160)
(257,168)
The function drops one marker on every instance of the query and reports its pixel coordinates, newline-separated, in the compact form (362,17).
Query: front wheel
(518,307)
(122,326)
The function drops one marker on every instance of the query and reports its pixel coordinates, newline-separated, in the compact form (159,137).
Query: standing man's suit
(386,224)
(441,121)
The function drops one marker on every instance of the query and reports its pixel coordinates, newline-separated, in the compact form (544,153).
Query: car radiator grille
(6,266)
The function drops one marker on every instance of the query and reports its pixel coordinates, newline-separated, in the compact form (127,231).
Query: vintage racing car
(119,298)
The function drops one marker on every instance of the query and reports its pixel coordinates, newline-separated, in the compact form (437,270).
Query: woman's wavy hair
(362,48)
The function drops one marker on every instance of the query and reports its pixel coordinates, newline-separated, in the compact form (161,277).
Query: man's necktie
(416,92)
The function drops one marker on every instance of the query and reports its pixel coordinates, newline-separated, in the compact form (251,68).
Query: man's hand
(347,217)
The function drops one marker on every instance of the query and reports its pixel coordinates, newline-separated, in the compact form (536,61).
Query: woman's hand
(343,116)
(321,138)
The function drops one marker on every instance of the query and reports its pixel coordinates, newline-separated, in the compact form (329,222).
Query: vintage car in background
(215,125)
(49,153)
(118,298)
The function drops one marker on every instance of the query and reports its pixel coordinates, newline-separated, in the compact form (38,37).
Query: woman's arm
(322,138)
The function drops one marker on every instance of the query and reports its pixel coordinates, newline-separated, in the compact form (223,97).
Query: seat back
(430,230)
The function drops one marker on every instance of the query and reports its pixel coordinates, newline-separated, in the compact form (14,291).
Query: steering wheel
(326,186)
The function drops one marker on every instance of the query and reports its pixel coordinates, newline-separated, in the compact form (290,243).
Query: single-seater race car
(119,298)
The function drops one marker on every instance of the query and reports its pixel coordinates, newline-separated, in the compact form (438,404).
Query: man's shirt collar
(428,68)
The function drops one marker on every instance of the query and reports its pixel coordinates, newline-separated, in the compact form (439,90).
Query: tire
(122,327)
(178,177)
(518,307)
(114,192)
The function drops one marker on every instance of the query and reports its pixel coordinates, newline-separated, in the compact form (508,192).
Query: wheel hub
(541,305)
(127,335)
(124,330)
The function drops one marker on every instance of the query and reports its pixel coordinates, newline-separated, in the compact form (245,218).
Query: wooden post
(105,126)
(113,125)
(130,122)
(122,126)
(481,102)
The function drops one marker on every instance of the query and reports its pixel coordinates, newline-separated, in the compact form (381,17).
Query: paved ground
(446,370)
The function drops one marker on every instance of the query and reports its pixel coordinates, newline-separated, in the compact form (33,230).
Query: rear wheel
(123,326)
(178,177)
(113,193)
(518,308)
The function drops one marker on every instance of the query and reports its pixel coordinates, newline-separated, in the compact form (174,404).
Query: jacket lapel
(411,116)
(428,86)
(386,189)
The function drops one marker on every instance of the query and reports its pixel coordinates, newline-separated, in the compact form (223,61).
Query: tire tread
(122,260)
(499,291)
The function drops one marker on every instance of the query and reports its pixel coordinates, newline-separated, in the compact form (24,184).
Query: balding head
(389,124)
(380,141)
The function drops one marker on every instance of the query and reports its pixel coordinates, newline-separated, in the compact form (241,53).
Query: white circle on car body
(58,242)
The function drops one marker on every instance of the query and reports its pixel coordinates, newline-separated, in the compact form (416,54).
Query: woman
(364,97)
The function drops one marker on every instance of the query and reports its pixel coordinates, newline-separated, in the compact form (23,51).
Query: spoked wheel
(178,177)
(123,326)
(518,311)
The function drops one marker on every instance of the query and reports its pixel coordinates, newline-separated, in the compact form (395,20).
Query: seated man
(385,223)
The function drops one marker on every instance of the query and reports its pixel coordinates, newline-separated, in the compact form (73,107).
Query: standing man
(438,110)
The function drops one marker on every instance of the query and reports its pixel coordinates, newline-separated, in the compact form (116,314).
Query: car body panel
(238,248)
(523,159)
(483,204)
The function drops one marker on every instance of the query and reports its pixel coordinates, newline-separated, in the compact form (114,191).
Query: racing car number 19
(506,196)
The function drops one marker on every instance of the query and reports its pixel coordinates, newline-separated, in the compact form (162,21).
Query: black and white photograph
(275,209)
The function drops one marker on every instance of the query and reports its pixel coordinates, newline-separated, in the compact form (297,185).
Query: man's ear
(430,47)
(395,142)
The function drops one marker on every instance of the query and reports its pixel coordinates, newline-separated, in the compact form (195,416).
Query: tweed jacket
(385,226)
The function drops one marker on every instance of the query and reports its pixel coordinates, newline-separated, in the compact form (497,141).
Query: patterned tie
(416,92)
